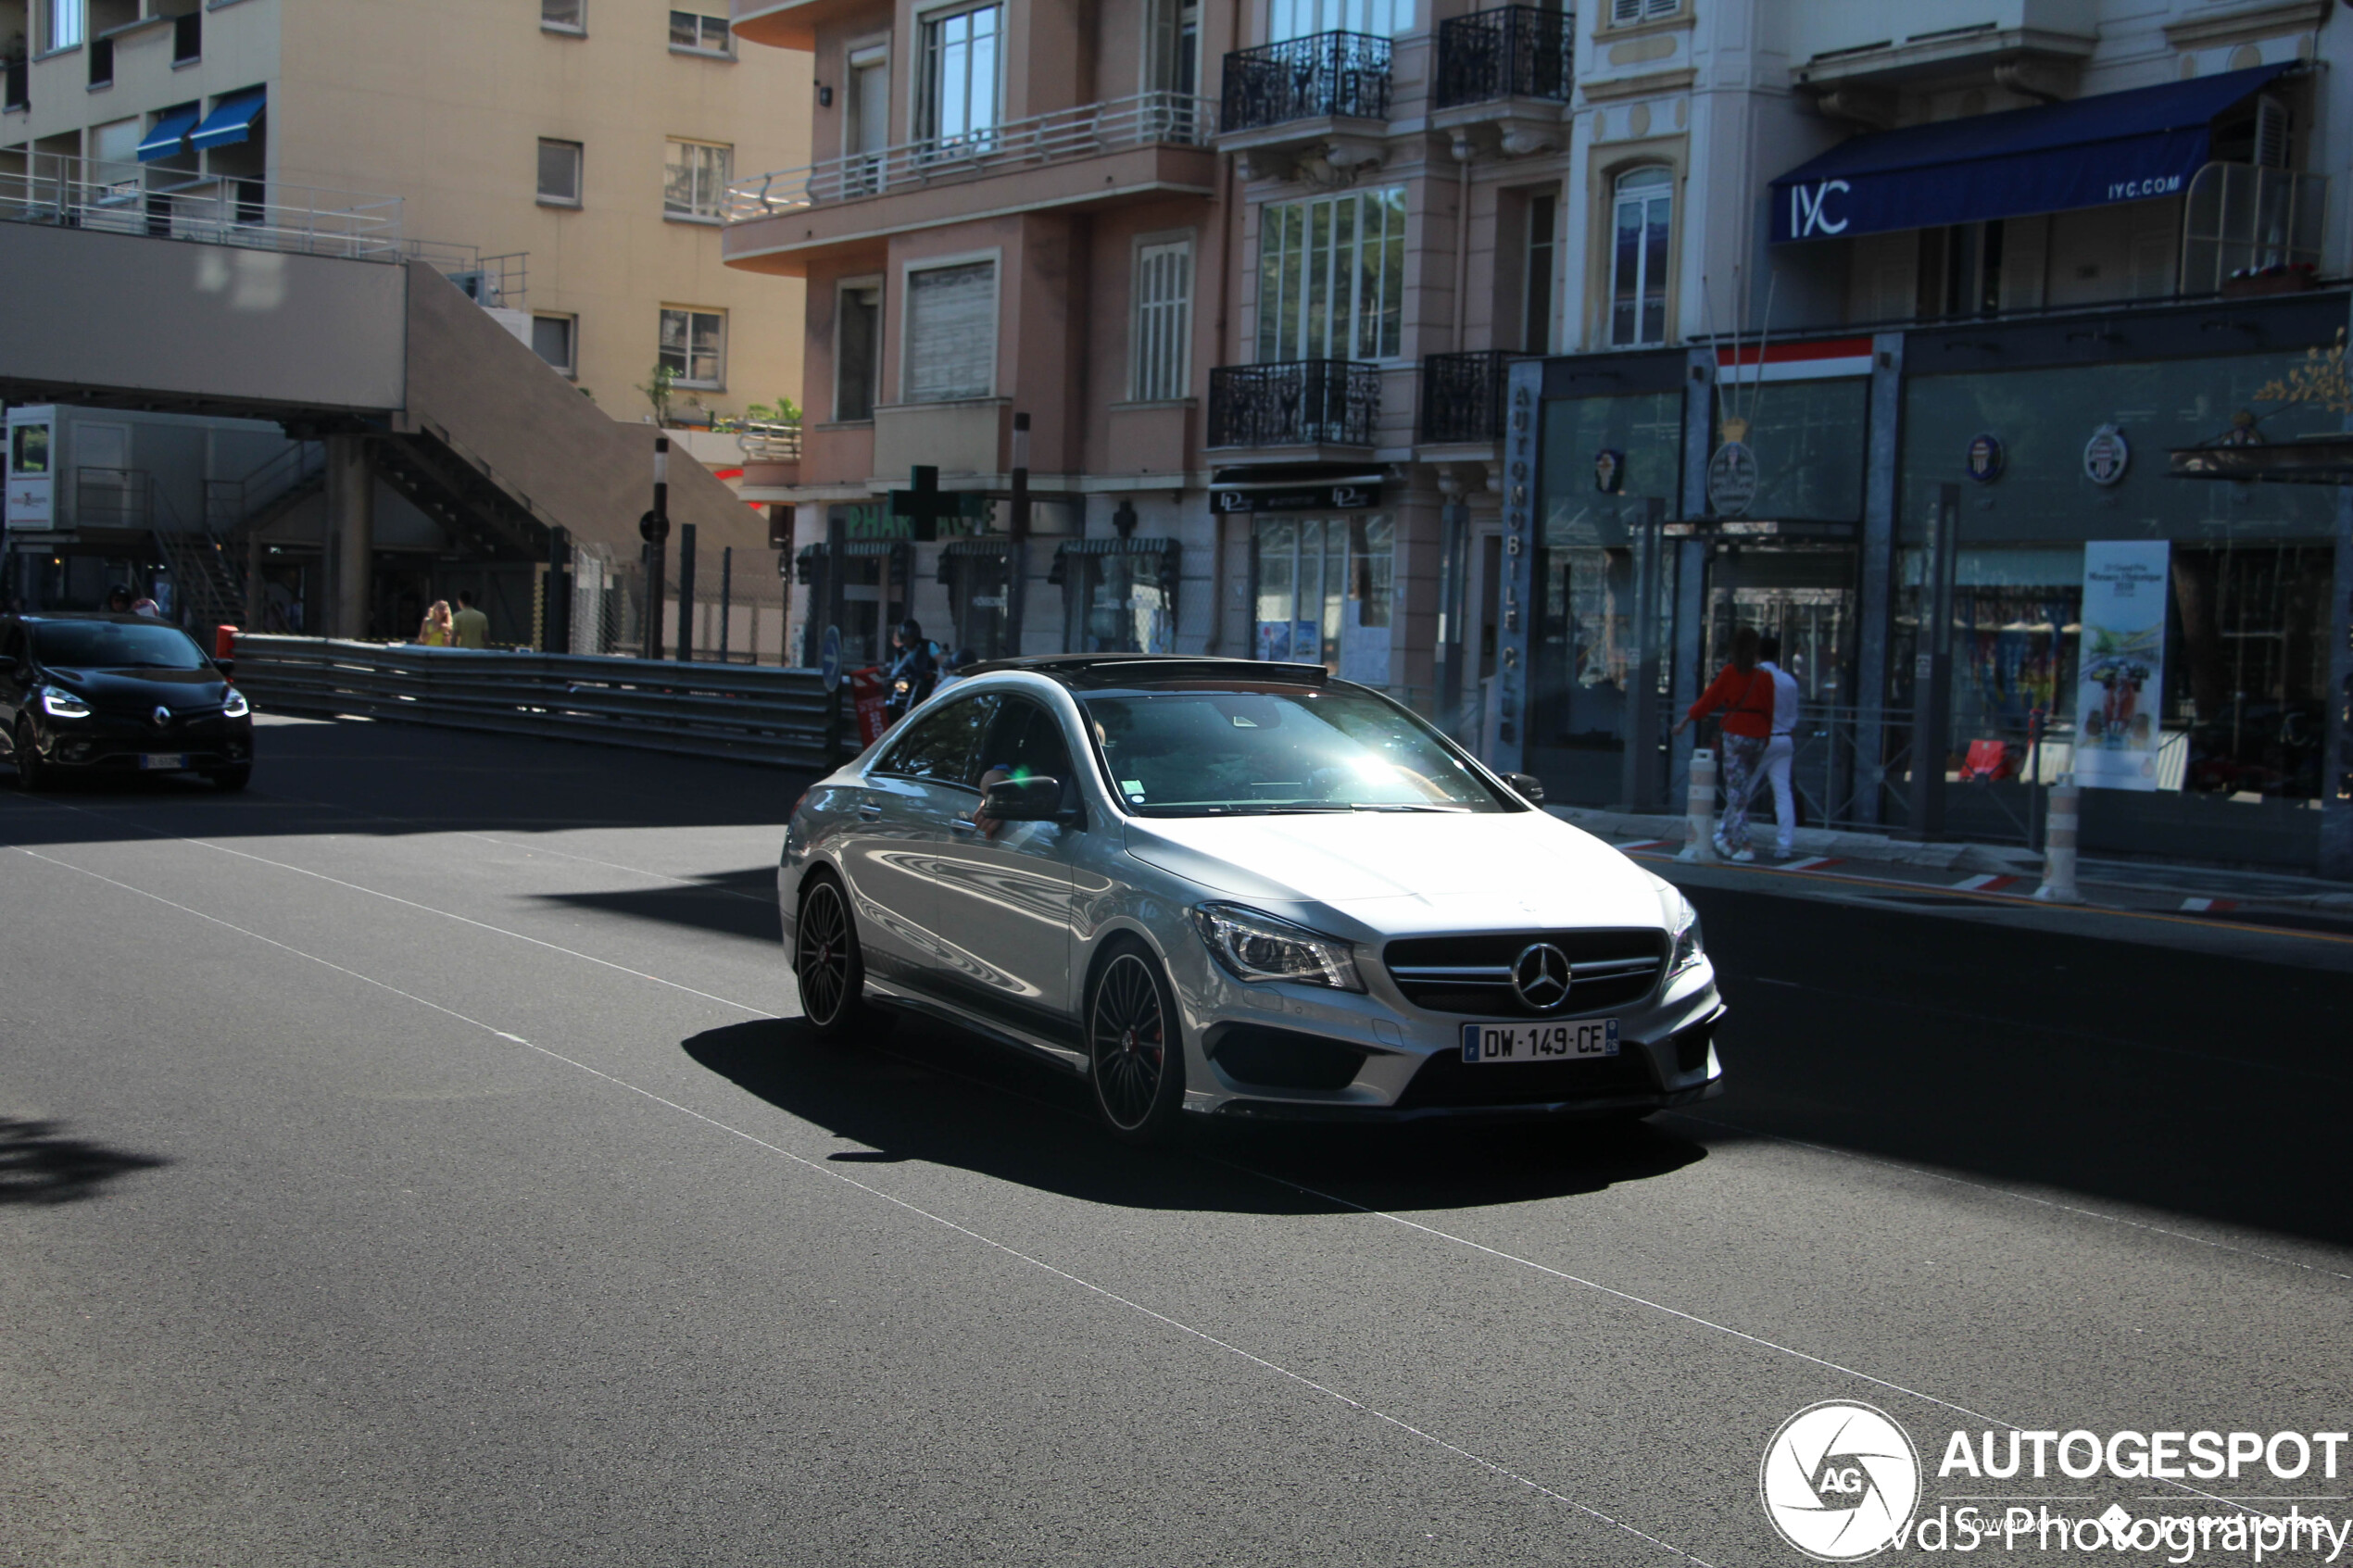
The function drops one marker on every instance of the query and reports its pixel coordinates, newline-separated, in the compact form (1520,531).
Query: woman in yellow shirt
(437,632)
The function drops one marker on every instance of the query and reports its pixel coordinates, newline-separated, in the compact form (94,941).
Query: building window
(559,173)
(960,70)
(857,352)
(694,180)
(694,347)
(1157,352)
(1536,313)
(1626,13)
(554,339)
(952,332)
(702,34)
(1641,223)
(1331,277)
(61,24)
(1304,18)
(564,16)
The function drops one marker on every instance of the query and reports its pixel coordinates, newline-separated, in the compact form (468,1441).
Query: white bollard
(1701,800)
(2058,844)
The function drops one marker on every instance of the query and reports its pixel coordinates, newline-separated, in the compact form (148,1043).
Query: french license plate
(1484,1043)
(164,759)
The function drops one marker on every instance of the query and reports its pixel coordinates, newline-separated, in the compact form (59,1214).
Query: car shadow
(728,903)
(926,1092)
(40,1165)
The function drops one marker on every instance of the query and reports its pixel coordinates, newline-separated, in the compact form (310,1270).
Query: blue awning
(231,121)
(165,139)
(2090,152)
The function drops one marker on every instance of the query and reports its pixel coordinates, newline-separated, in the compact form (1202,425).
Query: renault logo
(1541,976)
(161,716)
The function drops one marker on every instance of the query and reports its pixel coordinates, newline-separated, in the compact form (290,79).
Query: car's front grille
(1447,1080)
(1473,974)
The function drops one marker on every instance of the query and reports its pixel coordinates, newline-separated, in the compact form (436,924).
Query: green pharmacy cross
(926,503)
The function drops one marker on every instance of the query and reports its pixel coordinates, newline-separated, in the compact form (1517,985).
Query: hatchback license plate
(167,761)
(1484,1043)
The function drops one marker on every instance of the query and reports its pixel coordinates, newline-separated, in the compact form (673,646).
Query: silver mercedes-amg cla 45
(1240,889)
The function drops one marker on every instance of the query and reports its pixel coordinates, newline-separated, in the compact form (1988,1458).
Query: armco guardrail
(701,710)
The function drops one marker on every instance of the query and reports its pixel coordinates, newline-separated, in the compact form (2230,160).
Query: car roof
(1078,670)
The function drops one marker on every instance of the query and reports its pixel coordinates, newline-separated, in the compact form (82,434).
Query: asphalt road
(414,1160)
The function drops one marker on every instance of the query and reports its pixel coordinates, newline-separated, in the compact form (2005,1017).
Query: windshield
(115,644)
(1199,751)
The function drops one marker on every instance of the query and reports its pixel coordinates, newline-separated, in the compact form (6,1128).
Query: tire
(33,775)
(231,780)
(826,964)
(1135,1048)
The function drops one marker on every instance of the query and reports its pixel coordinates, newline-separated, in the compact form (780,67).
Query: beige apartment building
(1249,274)
(583,145)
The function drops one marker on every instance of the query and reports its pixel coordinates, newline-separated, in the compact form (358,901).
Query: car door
(922,783)
(1003,889)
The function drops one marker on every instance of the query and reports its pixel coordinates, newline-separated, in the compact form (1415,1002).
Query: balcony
(1153,143)
(1325,96)
(1516,52)
(1464,398)
(1294,403)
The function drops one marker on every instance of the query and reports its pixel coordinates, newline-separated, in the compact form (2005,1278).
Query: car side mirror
(1024,801)
(1530,788)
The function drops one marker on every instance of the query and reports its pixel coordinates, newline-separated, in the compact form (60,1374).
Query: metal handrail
(1342,74)
(1114,125)
(1294,403)
(700,709)
(769,441)
(1511,52)
(75,193)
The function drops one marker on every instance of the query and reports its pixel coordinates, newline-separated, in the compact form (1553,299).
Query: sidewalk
(2007,870)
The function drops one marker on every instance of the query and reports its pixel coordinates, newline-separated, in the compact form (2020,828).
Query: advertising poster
(2121,674)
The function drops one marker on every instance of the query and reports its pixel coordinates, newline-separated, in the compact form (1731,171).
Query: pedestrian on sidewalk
(437,630)
(1780,748)
(1744,693)
(469,627)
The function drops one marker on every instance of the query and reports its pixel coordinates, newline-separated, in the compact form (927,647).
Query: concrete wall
(579,467)
(260,329)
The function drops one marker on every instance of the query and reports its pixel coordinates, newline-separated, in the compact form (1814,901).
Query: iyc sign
(1809,209)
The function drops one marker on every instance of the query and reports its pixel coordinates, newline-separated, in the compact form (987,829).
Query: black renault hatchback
(117,694)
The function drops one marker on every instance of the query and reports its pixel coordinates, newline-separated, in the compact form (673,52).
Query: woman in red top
(1744,693)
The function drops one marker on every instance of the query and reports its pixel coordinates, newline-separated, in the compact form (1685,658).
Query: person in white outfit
(1783,748)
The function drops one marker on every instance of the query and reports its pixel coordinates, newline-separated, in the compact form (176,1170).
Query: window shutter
(1164,299)
(952,332)
(2270,133)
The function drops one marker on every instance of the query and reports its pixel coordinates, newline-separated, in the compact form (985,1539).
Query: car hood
(1394,871)
(140,690)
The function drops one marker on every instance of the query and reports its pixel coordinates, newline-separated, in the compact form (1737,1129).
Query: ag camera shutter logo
(1840,1480)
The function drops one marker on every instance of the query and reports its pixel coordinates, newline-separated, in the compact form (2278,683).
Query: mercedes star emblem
(1541,976)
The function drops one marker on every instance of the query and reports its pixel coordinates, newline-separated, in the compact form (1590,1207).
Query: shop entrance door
(1804,596)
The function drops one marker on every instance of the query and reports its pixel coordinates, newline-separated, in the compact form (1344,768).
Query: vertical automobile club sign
(2120,671)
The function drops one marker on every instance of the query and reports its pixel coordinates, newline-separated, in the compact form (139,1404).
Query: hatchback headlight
(1256,947)
(1682,921)
(234,705)
(59,703)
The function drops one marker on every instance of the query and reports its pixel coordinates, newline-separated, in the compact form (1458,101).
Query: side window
(1028,744)
(943,746)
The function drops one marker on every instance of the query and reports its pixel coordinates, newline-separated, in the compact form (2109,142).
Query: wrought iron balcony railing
(1294,403)
(1116,125)
(1462,395)
(1330,73)
(1513,52)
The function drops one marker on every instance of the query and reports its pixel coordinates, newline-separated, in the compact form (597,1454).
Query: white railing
(2240,219)
(769,441)
(1086,131)
(75,193)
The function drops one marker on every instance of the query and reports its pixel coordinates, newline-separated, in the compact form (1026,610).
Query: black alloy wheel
(32,774)
(826,963)
(1134,1048)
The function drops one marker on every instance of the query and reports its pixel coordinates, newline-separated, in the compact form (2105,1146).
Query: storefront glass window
(1325,593)
(1811,438)
(1119,604)
(2240,700)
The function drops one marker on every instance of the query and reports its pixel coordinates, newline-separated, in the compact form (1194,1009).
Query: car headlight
(59,703)
(1256,947)
(1683,922)
(234,705)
